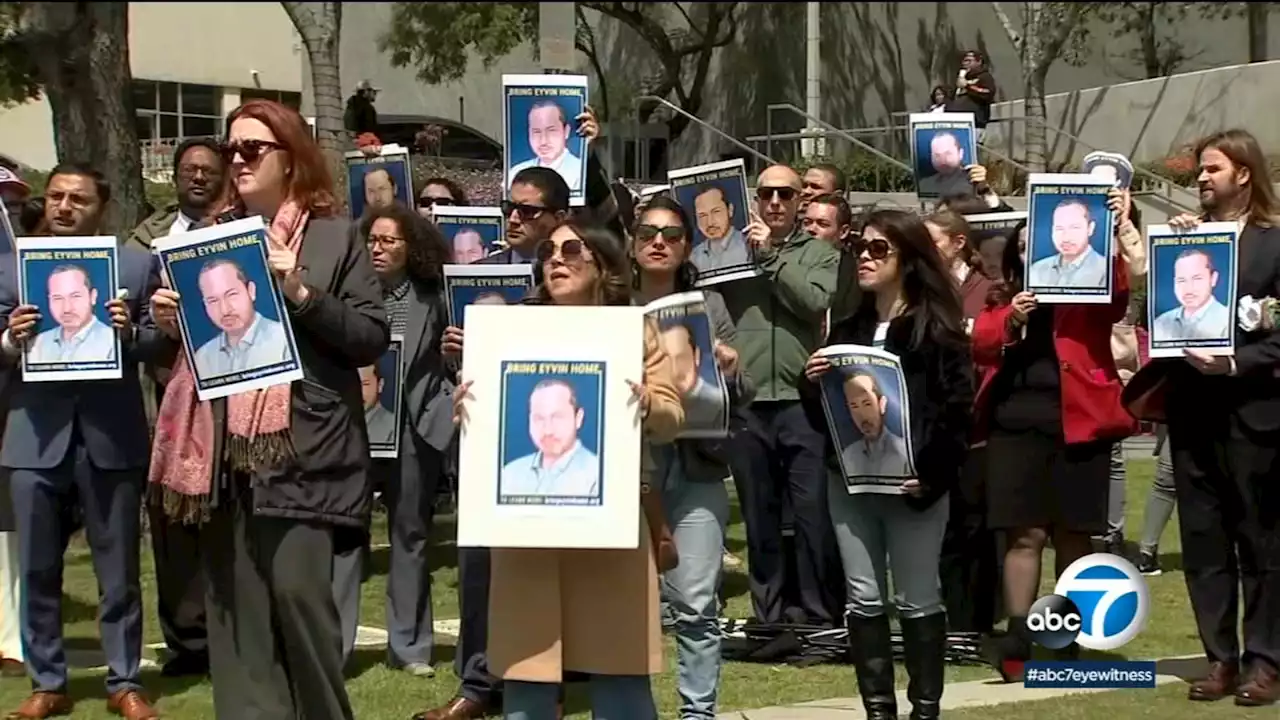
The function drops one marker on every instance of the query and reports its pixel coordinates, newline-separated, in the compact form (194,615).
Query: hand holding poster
(686,335)
(1070,239)
(942,146)
(716,196)
(379,181)
(540,128)
(236,332)
(380,387)
(1111,167)
(484,285)
(550,439)
(1191,287)
(472,233)
(868,412)
(69,280)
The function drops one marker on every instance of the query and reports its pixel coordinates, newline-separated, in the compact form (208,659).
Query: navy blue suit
(85,443)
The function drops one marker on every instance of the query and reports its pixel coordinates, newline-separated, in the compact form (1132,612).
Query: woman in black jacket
(910,308)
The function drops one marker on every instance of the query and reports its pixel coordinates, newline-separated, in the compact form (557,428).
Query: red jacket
(1091,408)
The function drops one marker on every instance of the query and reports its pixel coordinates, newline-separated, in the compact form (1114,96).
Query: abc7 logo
(1100,602)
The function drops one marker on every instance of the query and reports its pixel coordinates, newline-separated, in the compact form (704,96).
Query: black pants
(275,646)
(967,564)
(180,584)
(470,661)
(1227,480)
(778,454)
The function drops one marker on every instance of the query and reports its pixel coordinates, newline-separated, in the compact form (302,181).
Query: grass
(380,693)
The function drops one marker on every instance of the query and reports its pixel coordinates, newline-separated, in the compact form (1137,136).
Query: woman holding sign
(598,595)
(910,308)
(277,477)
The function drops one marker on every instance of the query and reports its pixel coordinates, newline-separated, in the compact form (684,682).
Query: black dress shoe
(187,665)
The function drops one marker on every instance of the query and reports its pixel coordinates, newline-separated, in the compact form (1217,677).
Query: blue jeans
(697,513)
(613,697)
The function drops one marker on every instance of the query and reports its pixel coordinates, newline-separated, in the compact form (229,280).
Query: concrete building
(192,63)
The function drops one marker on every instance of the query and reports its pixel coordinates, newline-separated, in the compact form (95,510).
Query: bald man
(777,459)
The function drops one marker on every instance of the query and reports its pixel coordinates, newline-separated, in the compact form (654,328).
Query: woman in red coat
(1048,407)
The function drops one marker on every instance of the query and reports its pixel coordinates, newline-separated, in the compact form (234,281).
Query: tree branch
(1067,19)
(1014,37)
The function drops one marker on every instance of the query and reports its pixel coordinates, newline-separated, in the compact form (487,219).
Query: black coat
(939,381)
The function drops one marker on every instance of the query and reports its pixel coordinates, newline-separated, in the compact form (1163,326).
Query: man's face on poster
(680,347)
(866,405)
(71,301)
(370,386)
(1193,281)
(548,133)
(1072,227)
(490,298)
(945,153)
(228,298)
(554,422)
(379,188)
(714,214)
(468,246)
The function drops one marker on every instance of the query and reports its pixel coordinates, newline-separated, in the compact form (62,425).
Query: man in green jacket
(198,175)
(778,455)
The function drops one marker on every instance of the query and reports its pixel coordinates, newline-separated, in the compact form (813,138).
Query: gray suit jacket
(110,413)
(428,384)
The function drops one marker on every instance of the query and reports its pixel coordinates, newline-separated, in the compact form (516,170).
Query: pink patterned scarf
(257,424)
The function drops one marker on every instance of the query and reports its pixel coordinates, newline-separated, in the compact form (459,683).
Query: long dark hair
(1242,149)
(1012,269)
(686,274)
(933,300)
(426,248)
(610,258)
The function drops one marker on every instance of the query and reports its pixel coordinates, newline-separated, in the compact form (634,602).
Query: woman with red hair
(277,478)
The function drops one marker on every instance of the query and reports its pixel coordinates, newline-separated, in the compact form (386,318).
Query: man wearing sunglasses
(778,453)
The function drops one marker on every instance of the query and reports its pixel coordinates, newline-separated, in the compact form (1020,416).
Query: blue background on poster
(389,371)
(733,190)
(490,233)
(463,296)
(515,407)
(518,107)
(186,278)
(702,337)
(355,183)
(1163,258)
(886,377)
(1040,224)
(37,285)
(924,151)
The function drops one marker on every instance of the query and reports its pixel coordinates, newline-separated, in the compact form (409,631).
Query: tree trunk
(320,25)
(1036,136)
(1258,15)
(81,51)
(1150,48)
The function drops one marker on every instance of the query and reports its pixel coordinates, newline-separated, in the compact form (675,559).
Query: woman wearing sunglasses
(1048,406)
(911,309)
(691,473)
(438,192)
(277,478)
(605,622)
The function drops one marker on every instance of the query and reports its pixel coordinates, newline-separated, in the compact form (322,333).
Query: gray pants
(1161,499)
(1116,494)
(871,529)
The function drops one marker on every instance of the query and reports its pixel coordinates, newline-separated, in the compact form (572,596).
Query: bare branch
(1014,38)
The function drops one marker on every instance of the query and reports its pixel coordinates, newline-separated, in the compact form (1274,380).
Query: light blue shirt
(568,165)
(382,425)
(886,456)
(577,474)
(95,342)
(1211,322)
(264,344)
(703,407)
(732,251)
(1087,271)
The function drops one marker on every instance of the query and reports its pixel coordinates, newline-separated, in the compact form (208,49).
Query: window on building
(288,99)
(173,111)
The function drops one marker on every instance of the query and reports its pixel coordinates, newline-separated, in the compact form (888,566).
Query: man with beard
(704,404)
(722,244)
(1199,315)
(947,160)
(878,453)
(79,335)
(1076,264)
(380,421)
(248,340)
(468,246)
(379,188)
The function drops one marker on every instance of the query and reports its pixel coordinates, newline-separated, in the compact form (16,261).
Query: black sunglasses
(569,250)
(526,212)
(671,234)
(785,193)
(250,150)
(877,249)
(427,201)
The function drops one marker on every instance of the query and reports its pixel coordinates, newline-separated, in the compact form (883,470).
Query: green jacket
(779,314)
(156,226)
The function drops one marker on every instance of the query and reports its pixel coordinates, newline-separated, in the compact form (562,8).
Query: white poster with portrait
(550,438)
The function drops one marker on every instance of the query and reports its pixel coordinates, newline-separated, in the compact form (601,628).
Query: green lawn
(384,694)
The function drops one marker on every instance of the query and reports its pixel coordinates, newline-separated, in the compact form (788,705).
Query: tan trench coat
(592,611)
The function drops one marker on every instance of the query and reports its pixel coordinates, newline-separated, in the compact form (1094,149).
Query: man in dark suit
(85,443)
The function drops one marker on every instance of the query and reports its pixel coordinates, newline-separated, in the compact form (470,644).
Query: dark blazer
(940,387)
(428,384)
(1179,392)
(110,413)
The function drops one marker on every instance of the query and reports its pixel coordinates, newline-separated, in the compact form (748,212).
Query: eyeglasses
(672,234)
(570,250)
(785,193)
(876,249)
(385,241)
(526,212)
(250,150)
(190,172)
(427,201)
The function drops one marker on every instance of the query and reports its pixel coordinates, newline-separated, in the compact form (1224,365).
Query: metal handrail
(704,124)
(829,128)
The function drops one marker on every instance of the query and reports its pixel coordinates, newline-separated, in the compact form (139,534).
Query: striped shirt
(396,301)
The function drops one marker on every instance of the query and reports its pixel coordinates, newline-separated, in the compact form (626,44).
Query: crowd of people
(259,504)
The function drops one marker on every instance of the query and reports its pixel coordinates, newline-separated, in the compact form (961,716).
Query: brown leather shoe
(42,705)
(131,705)
(11,668)
(459,708)
(1260,688)
(1219,683)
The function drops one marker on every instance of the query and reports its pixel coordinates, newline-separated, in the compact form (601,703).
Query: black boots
(1008,653)
(871,651)
(925,642)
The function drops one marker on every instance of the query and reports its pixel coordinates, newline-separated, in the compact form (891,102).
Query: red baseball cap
(10,180)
